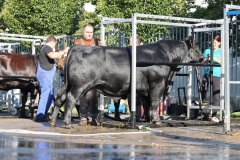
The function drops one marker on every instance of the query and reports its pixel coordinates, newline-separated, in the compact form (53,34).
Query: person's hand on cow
(65,51)
(103,43)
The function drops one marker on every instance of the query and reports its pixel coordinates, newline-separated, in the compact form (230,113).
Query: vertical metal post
(189,91)
(223,73)
(33,48)
(226,72)
(211,70)
(101,100)
(133,78)
(9,48)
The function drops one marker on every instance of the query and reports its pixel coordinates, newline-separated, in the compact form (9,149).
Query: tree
(214,9)
(39,17)
(85,17)
(125,9)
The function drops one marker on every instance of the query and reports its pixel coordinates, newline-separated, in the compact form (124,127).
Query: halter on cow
(18,72)
(107,69)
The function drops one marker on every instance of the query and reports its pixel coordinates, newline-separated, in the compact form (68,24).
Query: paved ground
(25,139)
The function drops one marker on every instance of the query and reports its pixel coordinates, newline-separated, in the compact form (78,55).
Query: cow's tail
(66,66)
(61,97)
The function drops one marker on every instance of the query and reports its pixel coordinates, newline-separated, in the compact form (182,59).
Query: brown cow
(18,71)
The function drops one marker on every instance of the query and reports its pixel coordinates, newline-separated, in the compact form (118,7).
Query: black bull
(19,72)
(108,69)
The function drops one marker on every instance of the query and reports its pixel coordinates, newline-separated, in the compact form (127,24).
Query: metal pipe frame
(101,99)
(207,29)
(164,23)
(220,21)
(19,39)
(134,20)
(183,19)
(28,36)
(227,82)
(134,70)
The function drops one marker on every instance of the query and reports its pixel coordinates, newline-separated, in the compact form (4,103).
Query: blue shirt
(206,54)
(217,55)
(217,70)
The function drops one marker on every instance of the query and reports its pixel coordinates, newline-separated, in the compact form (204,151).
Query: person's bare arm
(54,55)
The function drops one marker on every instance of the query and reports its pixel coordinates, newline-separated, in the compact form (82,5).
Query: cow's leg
(116,104)
(93,108)
(83,110)
(146,106)
(156,95)
(34,94)
(69,104)
(60,100)
(138,106)
(24,94)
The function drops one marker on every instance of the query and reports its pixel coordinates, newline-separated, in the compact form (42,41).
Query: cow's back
(161,51)
(16,70)
(12,64)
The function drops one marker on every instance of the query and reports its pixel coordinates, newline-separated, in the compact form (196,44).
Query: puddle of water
(29,149)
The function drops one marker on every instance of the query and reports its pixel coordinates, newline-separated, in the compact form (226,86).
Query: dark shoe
(43,119)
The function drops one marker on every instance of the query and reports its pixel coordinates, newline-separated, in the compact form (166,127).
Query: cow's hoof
(23,115)
(157,123)
(117,117)
(68,126)
(83,123)
(94,123)
(52,124)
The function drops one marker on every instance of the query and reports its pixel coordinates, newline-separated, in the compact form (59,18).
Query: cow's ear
(188,42)
(191,41)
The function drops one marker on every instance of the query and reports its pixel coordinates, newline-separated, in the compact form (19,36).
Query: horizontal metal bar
(179,18)
(207,29)
(220,21)
(144,64)
(19,39)
(182,74)
(234,82)
(7,44)
(8,77)
(116,21)
(230,7)
(28,36)
(164,23)
(22,36)
(235,21)
(205,107)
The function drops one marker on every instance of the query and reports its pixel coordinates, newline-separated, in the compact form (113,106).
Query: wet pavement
(23,139)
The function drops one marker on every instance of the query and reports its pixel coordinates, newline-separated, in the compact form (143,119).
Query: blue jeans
(45,80)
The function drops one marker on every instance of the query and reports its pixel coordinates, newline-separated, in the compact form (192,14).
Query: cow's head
(194,53)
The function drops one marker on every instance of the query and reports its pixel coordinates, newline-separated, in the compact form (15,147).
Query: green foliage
(125,9)
(235,115)
(86,18)
(214,10)
(39,17)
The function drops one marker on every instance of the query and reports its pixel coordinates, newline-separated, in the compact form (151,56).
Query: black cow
(108,69)
(13,68)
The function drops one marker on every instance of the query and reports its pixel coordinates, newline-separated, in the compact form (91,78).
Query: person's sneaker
(215,119)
